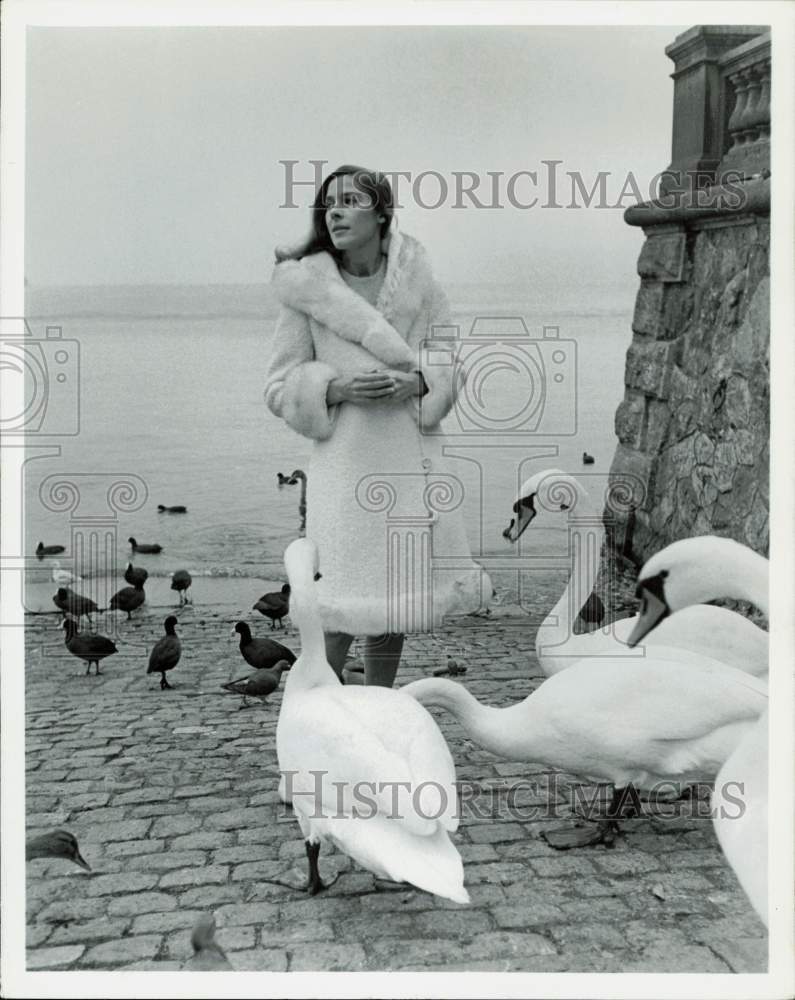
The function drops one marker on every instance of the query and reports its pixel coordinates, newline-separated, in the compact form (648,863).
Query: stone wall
(694,424)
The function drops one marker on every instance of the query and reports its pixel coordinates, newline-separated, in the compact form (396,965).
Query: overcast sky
(153,154)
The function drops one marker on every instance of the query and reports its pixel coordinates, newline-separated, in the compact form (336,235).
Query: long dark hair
(372,182)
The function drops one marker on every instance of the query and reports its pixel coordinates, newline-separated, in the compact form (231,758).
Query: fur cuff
(304,400)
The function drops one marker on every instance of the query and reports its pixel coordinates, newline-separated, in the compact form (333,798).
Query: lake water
(171,386)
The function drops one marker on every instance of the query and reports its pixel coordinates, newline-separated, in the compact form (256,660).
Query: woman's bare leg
(382,658)
(337,646)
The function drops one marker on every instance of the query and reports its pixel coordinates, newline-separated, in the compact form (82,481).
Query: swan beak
(80,860)
(652,612)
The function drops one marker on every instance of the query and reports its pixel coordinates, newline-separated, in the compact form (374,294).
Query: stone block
(208,840)
(90,930)
(198,875)
(170,826)
(629,420)
(495,944)
(648,367)
(510,917)
(756,528)
(662,257)
(328,958)
(212,895)
(703,448)
(705,488)
(259,960)
(128,949)
(129,829)
(626,862)
(744,446)
(743,954)
(647,317)
(689,958)
(239,819)
(141,902)
(124,882)
(658,426)
(239,914)
(164,923)
(634,468)
(588,936)
(494,833)
(53,958)
(738,402)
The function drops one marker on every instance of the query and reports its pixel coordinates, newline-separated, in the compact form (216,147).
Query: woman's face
(351,220)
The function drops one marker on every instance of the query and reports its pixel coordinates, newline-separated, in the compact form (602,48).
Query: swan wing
(740,814)
(410,728)
(345,747)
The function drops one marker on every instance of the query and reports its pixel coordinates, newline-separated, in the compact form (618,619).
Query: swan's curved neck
(585,541)
(743,575)
(314,668)
(501,731)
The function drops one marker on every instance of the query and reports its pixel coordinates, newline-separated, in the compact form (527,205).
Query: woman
(347,370)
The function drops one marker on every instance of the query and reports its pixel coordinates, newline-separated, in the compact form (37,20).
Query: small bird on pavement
(260,684)
(56,844)
(87,647)
(136,575)
(263,652)
(275,605)
(181,581)
(165,653)
(208,955)
(128,599)
(71,603)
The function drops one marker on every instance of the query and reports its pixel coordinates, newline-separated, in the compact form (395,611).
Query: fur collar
(313,285)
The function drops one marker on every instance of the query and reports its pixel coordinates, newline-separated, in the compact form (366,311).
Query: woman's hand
(407,384)
(361,387)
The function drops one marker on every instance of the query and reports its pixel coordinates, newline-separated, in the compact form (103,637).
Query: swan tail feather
(386,848)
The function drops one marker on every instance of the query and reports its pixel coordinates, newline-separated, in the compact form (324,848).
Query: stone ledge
(722,200)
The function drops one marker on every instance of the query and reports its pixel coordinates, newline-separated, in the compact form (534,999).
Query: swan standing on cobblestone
(600,719)
(367,767)
(703,569)
(699,629)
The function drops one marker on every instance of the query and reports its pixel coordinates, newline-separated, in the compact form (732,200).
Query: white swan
(700,630)
(662,723)
(63,577)
(365,767)
(740,814)
(698,569)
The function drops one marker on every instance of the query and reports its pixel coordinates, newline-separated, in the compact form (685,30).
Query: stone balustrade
(746,77)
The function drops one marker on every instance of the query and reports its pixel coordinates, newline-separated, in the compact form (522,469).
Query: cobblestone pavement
(173,798)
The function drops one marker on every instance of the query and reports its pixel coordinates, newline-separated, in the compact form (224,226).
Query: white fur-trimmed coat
(382,506)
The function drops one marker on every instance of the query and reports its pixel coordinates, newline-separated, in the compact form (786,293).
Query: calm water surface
(171,390)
